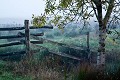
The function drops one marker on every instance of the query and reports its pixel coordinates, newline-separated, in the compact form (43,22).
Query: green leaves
(39,20)
(57,19)
(62,12)
(50,6)
(65,3)
(47,11)
(79,3)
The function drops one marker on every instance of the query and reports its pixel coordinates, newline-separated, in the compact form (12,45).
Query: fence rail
(26,41)
(58,53)
(22,28)
(10,37)
(25,37)
(20,43)
(19,35)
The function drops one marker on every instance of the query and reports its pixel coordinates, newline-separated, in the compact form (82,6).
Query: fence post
(27,37)
(88,36)
(88,47)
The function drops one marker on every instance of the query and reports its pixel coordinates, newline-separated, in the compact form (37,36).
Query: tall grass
(52,67)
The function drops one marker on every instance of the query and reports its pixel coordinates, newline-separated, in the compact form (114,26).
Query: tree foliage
(61,12)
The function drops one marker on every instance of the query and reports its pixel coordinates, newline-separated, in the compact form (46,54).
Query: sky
(21,8)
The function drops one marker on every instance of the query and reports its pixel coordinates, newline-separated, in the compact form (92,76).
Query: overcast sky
(21,8)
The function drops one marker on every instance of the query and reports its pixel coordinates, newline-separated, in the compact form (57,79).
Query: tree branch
(109,11)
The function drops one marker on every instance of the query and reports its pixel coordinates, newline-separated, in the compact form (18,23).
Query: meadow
(45,66)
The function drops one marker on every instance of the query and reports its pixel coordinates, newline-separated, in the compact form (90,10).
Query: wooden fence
(27,42)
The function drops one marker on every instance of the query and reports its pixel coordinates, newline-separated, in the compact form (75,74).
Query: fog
(22,9)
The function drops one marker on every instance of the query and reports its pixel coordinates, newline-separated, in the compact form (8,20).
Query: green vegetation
(45,66)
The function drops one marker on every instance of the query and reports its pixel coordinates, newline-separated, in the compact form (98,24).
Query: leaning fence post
(88,36)
(88,47)
(27,36)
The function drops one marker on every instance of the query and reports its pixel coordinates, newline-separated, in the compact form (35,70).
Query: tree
(61,12)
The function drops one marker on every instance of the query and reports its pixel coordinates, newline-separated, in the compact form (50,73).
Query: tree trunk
(101,49)
(102,36)
(102,31)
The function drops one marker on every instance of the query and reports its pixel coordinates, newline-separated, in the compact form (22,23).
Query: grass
(50,67)
(6,72)
(29,70)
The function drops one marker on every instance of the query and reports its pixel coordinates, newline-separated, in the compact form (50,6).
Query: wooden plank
(21,28)
(81,48)
(12,28)
(10,44)
(12,36)
(65,55)
(38,34)
(19,35)
(37,27)
(19,43)
(58,53)
(36,42)
(35,34)
(33,42)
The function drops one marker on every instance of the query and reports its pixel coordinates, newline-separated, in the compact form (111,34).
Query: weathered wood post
(88,36)
(88,47)
(27,37)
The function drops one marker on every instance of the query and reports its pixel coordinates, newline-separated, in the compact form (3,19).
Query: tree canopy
(61,12)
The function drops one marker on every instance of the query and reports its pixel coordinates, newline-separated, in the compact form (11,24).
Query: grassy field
(41,67)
